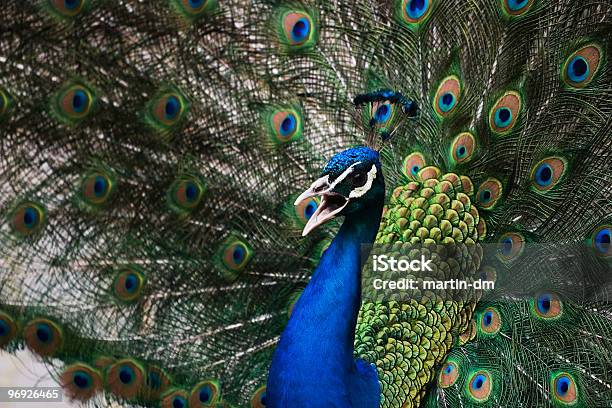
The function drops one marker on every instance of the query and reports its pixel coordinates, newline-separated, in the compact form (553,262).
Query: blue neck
(314,357)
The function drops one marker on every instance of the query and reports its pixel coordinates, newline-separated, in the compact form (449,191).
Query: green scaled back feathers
(150,153)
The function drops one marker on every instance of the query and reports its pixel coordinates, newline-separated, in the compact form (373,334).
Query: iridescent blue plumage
(314,358)
(343,160)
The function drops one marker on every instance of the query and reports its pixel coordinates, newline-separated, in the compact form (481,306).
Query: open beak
(331,203)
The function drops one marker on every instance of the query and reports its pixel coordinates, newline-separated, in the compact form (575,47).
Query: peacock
(189,190)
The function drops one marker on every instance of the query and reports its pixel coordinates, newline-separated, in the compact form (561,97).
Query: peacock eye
(358,179)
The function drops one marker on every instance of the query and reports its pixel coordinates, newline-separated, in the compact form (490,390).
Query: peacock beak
(331,203)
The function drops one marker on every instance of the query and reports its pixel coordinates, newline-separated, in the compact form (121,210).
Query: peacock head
(351,182)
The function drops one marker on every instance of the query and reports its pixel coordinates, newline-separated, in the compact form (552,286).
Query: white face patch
(359,191)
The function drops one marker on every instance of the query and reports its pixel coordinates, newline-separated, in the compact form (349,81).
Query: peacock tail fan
(150,153)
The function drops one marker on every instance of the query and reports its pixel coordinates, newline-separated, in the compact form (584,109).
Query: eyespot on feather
(413,12)
(548,172)
(156,383)
(185,194)
(128,284)
(512,245)
(600,240)
(298,30)
(175,398)
(580,68)
(236,255)
(563,388)
(516,7)
(205,394)
(449,373)
(258,399)
(193,9)
(306,209)
(73,103)
(81,382)
(504,114)
(43,336)
(97,188)
(479,386)
(413,163)
(66,8)
(166,110)
(381,113)
(447,96)
(490,321)
(27,219)
(8,329)
(547,306)
(489,193)
(463,148)
(125,378)
(287,125)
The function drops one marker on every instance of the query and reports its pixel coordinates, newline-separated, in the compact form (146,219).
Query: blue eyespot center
(72,4)
(4,328)
(172,108)
(238,254)
(563,385)
(448,369)
(461,151)
(191,191)
(578,69)
(196,3)
(288,125)
(263,399)
(310,209)
(416,8)
(544,303)
(507,245)
(602,240)
(301,29)
(383,112)
(446,102)
(30,217)
(43,333)
(488,318)
(131,283)
(415,170)
(205,395)
(79,101)
(81,379)
(478,381)
(503,117)
(100,186)
(178,402)
(516,5)
(544,175)
(126,374)
(485,196)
